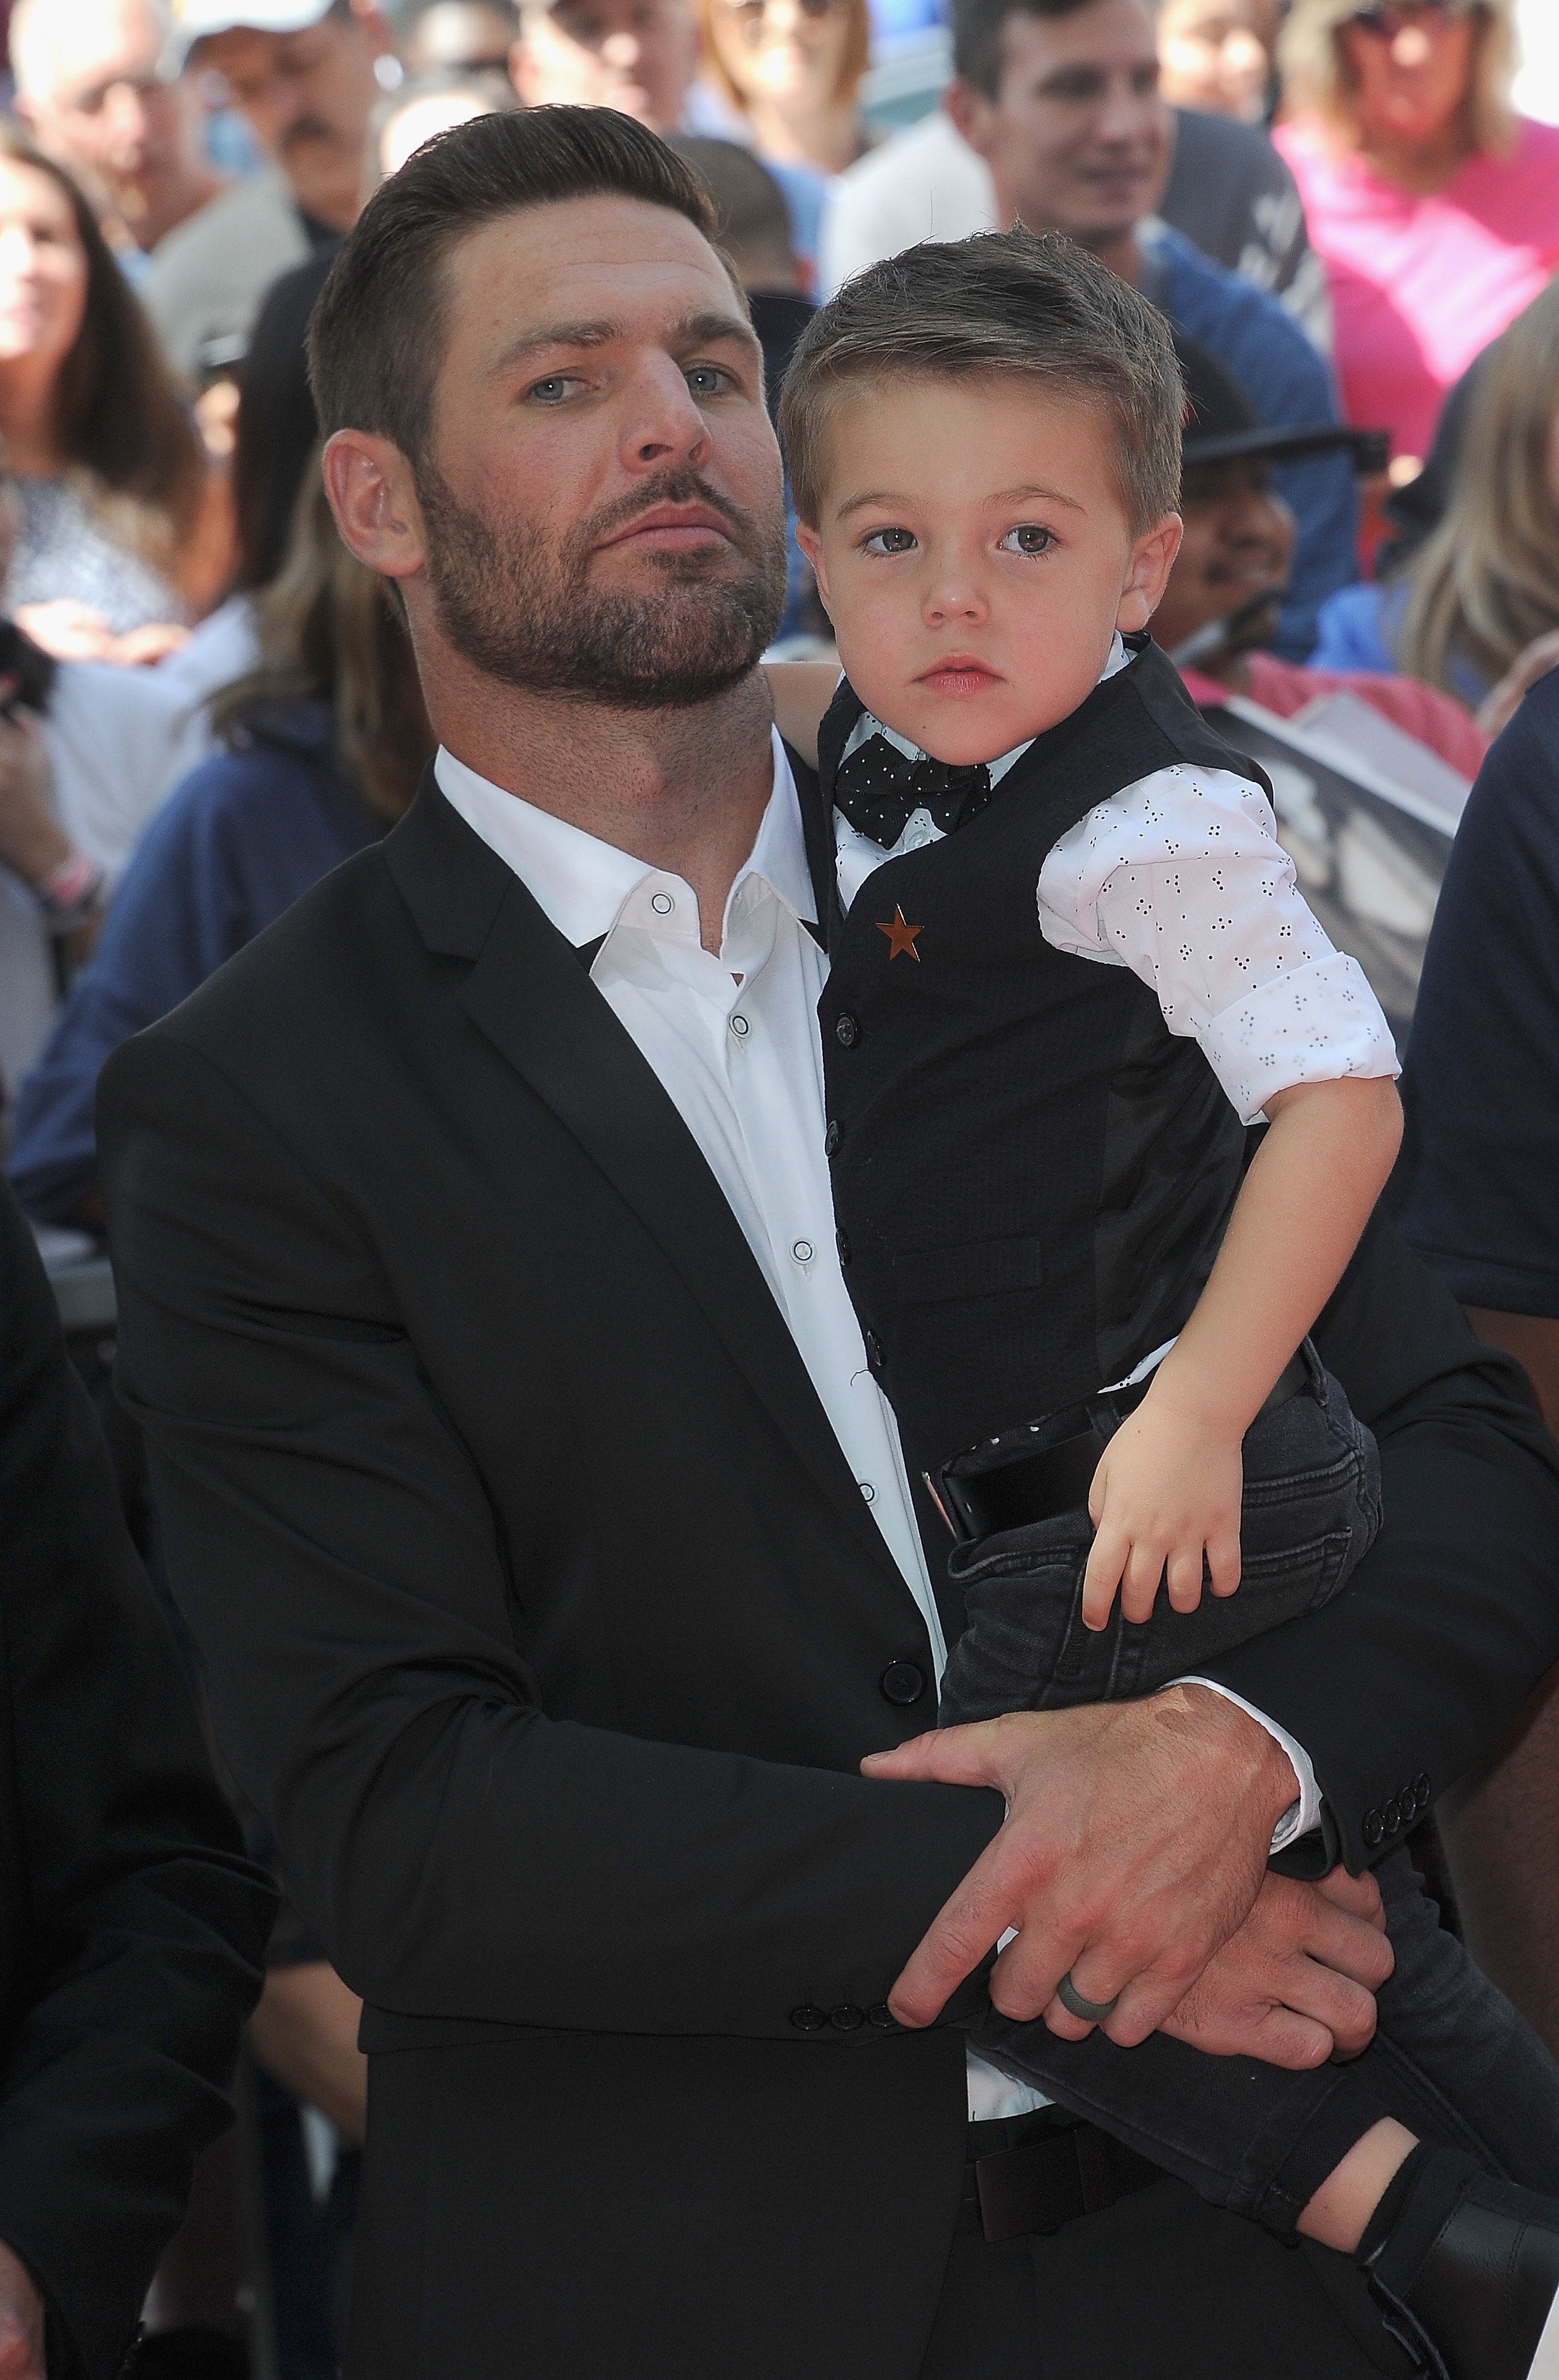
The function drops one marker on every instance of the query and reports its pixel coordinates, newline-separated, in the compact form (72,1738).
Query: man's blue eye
(1028,538)
(891,540)
(704,380)
(551,392)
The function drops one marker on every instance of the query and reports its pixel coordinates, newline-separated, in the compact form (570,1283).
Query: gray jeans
(1451,2059)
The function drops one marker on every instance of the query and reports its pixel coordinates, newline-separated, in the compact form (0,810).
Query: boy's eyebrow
(884,499)
(692,330)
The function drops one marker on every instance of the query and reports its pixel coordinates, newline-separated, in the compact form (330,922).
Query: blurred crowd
(1349,212)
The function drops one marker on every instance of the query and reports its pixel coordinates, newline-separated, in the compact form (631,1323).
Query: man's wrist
(1276,1784)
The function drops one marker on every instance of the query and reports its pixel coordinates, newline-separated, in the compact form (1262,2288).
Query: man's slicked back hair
(379,332)
(1002,305)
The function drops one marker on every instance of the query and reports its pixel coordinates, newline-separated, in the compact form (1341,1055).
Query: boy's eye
(889,540)
(1028,538)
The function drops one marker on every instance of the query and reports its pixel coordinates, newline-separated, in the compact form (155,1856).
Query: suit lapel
(529,994)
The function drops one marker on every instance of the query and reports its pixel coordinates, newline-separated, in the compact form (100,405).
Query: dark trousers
(1452,2059)
(1160,2286)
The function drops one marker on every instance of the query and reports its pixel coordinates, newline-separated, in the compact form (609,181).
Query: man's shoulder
(1222,146)
(260,205)
(1260,343)
(210,274)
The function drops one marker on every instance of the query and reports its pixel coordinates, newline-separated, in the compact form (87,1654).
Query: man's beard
(527,614)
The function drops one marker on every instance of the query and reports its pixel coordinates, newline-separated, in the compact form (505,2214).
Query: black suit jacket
(131,1927)
(547,1623)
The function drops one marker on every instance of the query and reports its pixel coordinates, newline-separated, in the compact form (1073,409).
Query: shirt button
(803,1251)
(868,1490)
(741,1028)
(847,1030)
(662,904)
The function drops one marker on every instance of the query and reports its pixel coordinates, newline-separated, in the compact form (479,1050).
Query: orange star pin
(902,938)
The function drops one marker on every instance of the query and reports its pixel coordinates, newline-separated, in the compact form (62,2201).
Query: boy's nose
(952,601)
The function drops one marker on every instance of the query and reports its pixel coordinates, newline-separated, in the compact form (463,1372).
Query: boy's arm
(1168,1485)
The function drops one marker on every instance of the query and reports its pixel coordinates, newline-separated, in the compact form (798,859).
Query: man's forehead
(105,37)
(581,260)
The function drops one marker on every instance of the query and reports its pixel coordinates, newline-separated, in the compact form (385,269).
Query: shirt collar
(581,884)
(867,725)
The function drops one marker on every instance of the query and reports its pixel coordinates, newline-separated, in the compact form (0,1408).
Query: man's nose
(665,425)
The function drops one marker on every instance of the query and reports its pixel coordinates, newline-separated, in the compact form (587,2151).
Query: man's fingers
(947,1755)
(1335,1941)
(1359,1895)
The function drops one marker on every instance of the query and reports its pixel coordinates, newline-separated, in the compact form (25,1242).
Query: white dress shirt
(734,1043)
(1181,876)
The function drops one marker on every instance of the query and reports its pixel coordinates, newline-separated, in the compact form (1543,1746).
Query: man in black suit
(133,1927)
(548,1539)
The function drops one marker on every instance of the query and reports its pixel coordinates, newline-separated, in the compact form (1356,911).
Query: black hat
(1223,425)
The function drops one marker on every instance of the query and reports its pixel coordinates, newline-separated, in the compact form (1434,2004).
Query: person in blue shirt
(1061,99)
(324,743)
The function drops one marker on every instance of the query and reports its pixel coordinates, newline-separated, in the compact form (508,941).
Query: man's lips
(669,529)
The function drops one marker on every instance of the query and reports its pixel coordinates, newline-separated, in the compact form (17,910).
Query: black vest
(1031,1175)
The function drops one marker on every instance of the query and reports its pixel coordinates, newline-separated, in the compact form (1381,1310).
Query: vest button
(830,1140)
(901,1683)
(843,1244)
(847,1029)
(809,2019)
(846,2018)
(876,1360)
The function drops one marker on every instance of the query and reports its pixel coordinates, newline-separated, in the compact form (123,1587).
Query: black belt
(1042,2185)
(1028,1484)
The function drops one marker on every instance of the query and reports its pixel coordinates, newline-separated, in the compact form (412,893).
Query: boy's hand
(1167,1492)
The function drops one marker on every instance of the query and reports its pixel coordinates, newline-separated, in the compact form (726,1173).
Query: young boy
(1068,968)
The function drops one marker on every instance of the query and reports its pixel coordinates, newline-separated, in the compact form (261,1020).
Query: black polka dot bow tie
(880,790)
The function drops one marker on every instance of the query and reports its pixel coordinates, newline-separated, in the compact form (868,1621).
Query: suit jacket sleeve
(1420,1665)
(462,1856)
(134,1926)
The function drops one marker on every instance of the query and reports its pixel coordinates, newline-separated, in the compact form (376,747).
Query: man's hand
(1135,1844)
(21,2321)
(1299,1978)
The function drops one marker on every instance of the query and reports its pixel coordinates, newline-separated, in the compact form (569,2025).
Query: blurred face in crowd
(42,271)
(99,97)
(637,55)
(1411,69)
(459,37)
(307,96)
(782,50)
(600,512)
(1217,54)
(1077,138)
(402,133)
(1238,541)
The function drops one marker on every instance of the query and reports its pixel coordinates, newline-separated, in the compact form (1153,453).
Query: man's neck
(682,790)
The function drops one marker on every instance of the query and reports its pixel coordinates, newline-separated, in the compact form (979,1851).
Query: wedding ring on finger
(1089,2012)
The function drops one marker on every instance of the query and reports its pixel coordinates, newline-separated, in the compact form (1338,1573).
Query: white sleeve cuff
(1303,1815)
(1318,1024)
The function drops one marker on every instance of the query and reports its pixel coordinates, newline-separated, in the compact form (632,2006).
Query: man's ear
(811,545)
(1147,573)
(972,114)
(369,485)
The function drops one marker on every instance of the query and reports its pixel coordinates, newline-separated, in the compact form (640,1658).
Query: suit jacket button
(1421,1789)
(1392,1813)
(1374,1828)
(830,1140)
(901,1683)
(847,1029)
(845,2018)
(882,2016)
(809,2019)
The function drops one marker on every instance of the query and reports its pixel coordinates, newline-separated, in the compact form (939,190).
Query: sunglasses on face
(1384,24)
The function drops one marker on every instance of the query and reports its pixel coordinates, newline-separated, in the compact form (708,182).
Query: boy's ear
(811,545)
(1147,573)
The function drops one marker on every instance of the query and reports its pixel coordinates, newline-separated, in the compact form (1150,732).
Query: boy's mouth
(958,674)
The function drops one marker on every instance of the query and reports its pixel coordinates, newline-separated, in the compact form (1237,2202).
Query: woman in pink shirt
(1435,207)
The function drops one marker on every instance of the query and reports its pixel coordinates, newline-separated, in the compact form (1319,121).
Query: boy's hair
(1001,304)
(378,335)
